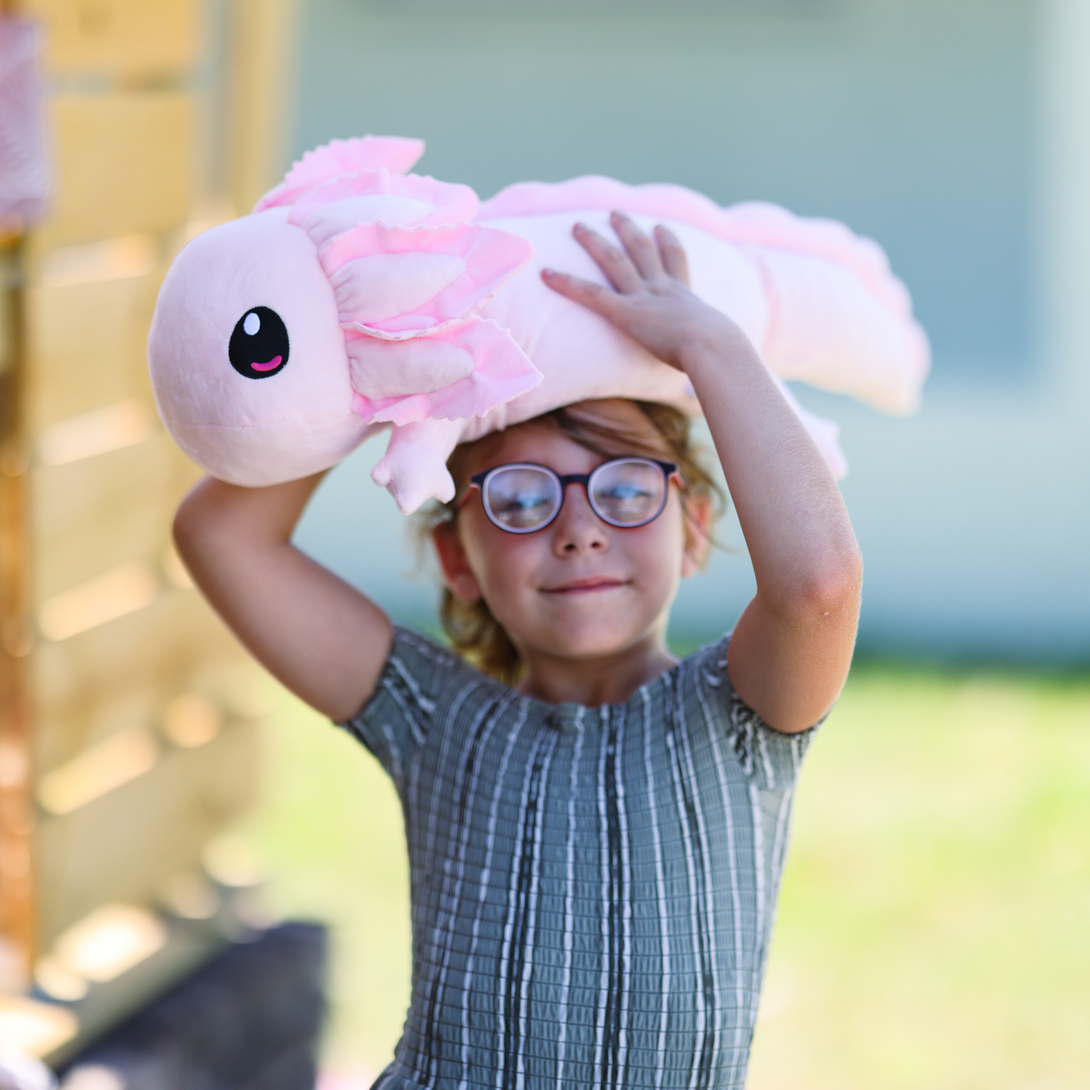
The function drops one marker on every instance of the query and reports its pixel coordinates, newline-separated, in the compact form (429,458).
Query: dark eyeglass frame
(479,480)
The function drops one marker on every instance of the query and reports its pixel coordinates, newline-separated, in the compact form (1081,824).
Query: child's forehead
(612,428)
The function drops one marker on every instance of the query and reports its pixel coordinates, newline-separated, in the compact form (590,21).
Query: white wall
(953,133)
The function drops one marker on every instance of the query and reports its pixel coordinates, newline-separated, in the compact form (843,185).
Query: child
(595,850)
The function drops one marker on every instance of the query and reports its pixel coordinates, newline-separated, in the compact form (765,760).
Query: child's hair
(473,632)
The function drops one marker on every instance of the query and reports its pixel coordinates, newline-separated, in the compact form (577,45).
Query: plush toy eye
(259,344)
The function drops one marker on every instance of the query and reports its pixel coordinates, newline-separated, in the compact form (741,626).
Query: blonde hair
(473,632)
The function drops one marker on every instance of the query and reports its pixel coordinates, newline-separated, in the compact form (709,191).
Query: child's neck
(606,679)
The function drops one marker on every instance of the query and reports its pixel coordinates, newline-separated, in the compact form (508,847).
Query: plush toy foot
(414,468)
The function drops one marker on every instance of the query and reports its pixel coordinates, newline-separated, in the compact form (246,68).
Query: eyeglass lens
(522,497)
(624,492)
(627,492)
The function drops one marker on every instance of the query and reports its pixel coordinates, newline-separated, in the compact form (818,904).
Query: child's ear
(698,517)
(457,573)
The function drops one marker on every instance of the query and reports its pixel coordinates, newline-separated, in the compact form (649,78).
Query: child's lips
(588,584)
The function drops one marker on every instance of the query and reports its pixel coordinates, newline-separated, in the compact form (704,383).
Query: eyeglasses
(523,497)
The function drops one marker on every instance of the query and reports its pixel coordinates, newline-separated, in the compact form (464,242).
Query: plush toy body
(355,298)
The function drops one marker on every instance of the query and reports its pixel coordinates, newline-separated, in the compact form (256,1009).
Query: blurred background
(954,134)
(931,929)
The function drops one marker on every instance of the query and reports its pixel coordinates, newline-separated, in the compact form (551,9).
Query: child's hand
(792,646)
(650,299)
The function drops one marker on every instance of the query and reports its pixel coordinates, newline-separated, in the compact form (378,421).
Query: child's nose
(577,528)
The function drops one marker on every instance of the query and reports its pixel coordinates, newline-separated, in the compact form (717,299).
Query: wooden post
(16,808)
(127,733)
(262,33)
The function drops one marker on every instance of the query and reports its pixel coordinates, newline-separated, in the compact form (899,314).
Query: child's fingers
(613,261)
(674,259)
(586,292)
(640,248)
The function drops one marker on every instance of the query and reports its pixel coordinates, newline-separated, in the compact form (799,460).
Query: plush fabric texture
(357,297)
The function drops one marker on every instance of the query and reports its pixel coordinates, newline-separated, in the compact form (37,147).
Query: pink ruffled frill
(406,265)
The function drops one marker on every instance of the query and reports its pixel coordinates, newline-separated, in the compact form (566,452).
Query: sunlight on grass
(932,927)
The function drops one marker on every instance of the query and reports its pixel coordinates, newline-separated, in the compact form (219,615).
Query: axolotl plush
(358,297)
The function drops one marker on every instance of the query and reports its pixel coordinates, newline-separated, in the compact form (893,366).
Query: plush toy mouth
(270,366)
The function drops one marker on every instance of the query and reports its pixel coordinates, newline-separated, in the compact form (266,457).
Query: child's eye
(627,499)
(623,492)
(259,344)
(619,499)
(523,503)
(522,510)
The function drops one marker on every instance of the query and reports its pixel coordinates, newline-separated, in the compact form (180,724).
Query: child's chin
(596,643)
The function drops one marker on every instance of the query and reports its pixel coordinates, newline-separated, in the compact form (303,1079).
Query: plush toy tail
(828,330)
(840,320)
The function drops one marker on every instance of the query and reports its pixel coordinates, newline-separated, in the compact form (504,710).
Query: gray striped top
(592,888)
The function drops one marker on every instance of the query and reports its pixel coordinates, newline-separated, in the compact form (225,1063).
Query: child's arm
(793,645)
(319,636)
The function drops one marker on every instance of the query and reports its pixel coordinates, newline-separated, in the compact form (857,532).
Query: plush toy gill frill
(357,297)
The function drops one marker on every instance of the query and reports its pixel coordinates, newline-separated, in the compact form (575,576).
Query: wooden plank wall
(138,701)
(16,805)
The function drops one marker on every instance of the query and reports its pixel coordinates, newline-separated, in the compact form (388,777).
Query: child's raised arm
(319,636)
(792,646)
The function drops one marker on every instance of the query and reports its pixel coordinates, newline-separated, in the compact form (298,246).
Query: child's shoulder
(424,683)
(428,665)
(418,646)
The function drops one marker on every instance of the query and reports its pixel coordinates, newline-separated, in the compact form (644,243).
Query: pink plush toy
(357,297)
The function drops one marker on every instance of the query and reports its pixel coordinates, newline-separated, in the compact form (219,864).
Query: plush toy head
(248,358)
(354,298)
(281,339)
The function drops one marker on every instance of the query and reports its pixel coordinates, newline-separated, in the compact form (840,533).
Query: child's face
(580,588)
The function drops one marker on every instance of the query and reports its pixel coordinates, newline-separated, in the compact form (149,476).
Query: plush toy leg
(414,467)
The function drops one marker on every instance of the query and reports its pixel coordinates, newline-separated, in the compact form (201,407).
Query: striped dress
(592,888)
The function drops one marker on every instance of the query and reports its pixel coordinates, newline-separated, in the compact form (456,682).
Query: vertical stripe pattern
(592,888)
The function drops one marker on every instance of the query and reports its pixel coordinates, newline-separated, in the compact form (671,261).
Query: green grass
(933,924)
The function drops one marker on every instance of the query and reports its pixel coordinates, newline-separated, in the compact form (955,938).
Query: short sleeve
(770,758)
(396,720)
